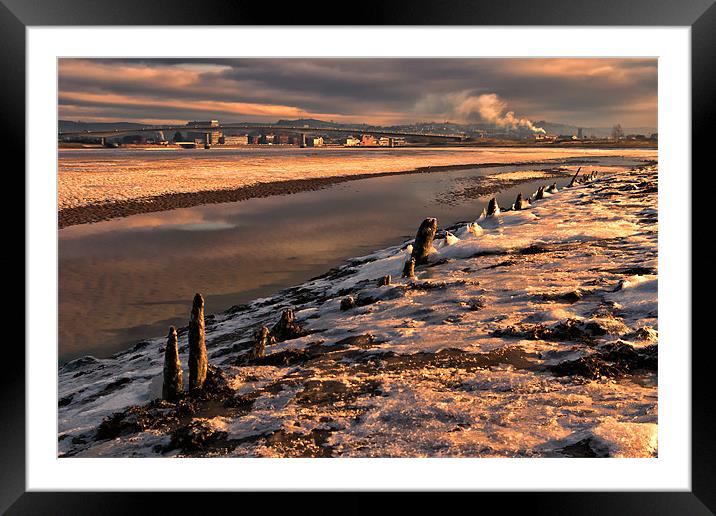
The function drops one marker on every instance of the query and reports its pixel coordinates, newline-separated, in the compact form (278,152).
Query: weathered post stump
(492,208)
(409,268)
(424,240)
(384,281)
(473,228)
(347,303)
(198,362)
(520,203)
(574,178)
(540,193)
(261,339)
(287,328)
(552,188)
(173,385)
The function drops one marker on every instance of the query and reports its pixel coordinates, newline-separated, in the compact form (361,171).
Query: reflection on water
(124,280)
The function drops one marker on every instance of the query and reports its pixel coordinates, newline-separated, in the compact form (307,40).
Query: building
(580,133)
(238,139)
(267,139)
(368,140)
(391,141)
(211,137)
(214,134)
(317,141)
(352,141)
(282,139)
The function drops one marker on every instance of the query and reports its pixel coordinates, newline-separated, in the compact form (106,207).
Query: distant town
(317,133)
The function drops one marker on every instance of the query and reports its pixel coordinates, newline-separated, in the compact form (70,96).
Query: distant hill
(443,127)
(65,126)
(557,128)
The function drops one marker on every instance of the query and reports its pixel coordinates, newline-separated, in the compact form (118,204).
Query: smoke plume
(492,109)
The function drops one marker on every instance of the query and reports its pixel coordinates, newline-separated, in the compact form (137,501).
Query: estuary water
(125,280)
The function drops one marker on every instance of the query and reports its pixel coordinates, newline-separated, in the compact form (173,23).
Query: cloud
(586,92)
(207,106)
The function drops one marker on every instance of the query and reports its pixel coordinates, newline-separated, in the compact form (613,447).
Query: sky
(510,92)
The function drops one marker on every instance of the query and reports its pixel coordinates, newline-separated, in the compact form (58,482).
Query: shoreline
(563,145)
(474,187)
(541,314)
(165,202)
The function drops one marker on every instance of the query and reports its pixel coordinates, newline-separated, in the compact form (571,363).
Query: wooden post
(198,362)
(492,208)
(409,268)
(261,339)
(424,240)
(287,328)
(520,203)
(173,385)
(347,303)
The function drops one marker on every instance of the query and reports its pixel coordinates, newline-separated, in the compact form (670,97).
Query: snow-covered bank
(529,334)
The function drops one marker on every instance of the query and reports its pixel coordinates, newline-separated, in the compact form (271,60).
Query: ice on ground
(530,334)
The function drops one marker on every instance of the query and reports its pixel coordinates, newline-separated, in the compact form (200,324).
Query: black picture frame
(700,15)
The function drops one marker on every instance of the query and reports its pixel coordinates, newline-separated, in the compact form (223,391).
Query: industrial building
(391,141)
(282,139)
(238,139)
(210,136)
(368,140)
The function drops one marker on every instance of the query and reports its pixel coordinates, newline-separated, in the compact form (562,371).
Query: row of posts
(173,385)
(427,230)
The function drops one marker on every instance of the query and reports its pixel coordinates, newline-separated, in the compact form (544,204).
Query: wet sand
(100,184)
(117,209)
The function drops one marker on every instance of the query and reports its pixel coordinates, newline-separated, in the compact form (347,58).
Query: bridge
(302,130)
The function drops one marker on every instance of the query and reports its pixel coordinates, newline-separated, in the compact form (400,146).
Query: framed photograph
(433,250)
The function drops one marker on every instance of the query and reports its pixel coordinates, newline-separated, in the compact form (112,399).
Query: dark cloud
(590,92)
